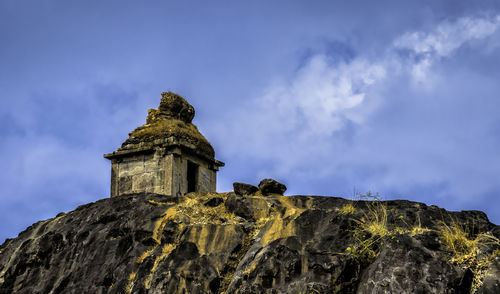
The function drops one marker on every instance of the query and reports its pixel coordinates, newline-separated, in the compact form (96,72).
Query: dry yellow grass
(417,230)
(413,231)
(370,229)
(375,220)
(472,252)
(347,209)
(468,250)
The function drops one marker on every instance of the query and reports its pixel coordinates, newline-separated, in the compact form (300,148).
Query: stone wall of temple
(139,173)
(205,176)
(159,173)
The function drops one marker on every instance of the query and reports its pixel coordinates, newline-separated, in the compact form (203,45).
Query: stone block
(142,181)
(125,184)
(204,179)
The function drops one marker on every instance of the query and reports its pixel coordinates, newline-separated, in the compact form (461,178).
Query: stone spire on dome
(170,125)
(172,106)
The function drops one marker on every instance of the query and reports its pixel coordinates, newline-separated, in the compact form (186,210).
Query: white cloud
(319,123)
(429,47)
(322,97)
(448,36)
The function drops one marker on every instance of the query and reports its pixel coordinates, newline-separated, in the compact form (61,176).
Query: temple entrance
(192,176)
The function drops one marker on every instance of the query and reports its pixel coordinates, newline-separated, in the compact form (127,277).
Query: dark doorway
(192,176)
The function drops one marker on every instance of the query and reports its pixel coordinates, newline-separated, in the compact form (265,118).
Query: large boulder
(226,243)
(270,186)
(244,189)
(239,206)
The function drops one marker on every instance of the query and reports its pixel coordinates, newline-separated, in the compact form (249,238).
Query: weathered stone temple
(167,155)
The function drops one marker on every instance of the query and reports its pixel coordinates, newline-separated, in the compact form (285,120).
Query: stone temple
(167,155)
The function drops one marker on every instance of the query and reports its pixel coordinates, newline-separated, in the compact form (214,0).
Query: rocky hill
(229,243)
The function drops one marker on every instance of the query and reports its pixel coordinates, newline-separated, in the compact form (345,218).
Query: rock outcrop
(244,189)
(226,243)
(270,186)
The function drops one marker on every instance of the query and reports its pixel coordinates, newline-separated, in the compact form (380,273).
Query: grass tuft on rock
(370,229)
(347,209)
(469,251)
(375,220)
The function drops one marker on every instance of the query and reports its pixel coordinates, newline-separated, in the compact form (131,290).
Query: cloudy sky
(330,97)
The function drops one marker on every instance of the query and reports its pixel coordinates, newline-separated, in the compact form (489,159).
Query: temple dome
(169,125)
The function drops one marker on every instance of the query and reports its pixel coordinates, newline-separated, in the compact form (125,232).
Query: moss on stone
(165,128)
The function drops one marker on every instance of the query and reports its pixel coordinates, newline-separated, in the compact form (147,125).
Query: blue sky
(329,97)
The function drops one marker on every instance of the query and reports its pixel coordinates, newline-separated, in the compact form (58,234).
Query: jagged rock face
(225,243)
